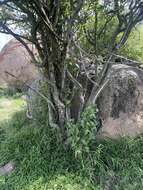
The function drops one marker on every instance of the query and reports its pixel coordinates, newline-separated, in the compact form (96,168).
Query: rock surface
(37,106)
(15,59)
(7,169)
(121,103)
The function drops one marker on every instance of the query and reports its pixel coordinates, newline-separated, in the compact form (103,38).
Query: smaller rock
(7,169)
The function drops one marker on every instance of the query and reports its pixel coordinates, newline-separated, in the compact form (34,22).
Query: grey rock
(121,103)
(7,169)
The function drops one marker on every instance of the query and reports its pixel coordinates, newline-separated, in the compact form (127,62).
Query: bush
(8,92)
(82,135)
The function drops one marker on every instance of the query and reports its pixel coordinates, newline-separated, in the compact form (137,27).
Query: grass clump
(43,163)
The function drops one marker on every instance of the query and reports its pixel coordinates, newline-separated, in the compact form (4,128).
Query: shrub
(82,135)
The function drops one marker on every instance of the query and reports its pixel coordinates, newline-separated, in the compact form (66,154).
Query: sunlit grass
(9,106)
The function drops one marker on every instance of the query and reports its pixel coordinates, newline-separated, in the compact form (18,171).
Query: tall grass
(42,163)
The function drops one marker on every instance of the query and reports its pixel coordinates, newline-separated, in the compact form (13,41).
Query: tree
(61,31)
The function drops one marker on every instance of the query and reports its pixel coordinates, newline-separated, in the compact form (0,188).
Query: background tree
(76,41)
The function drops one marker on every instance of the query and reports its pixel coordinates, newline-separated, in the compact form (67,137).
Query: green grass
(9,106)
(42,163)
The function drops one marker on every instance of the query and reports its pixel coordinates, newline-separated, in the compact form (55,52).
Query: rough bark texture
(121,103)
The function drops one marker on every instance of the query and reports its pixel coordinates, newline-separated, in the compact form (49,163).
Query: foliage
(134,46)
(81,136)
(8,92)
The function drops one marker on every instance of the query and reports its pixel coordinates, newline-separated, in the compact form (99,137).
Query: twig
(74,80)
(34,90)
(127,59)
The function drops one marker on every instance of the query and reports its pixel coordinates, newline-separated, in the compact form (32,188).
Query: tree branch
(16,36)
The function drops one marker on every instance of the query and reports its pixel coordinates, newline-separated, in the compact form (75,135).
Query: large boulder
(15,59)
(121,103)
